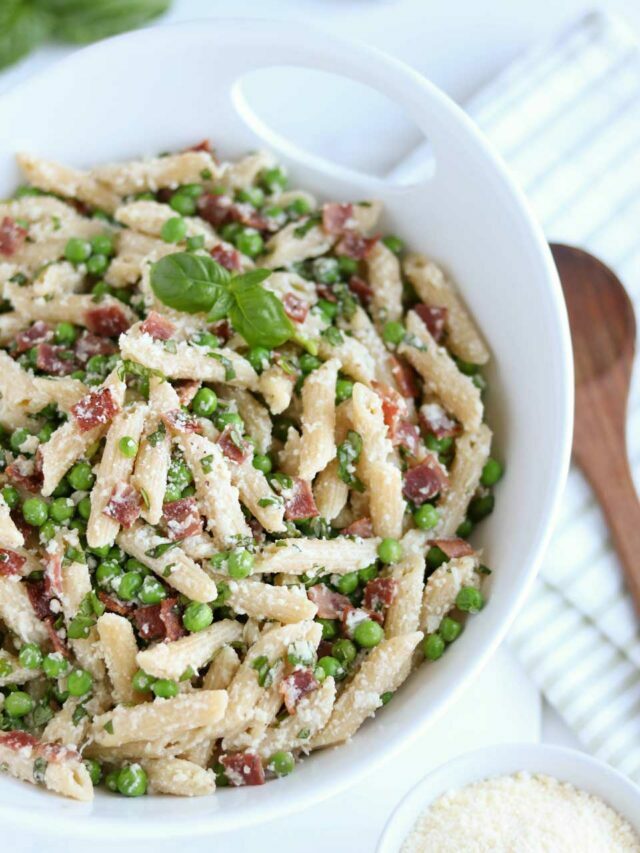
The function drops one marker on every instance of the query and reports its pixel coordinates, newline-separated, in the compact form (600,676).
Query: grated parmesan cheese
(522,813)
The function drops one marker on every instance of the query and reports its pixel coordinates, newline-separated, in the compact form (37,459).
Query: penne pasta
(172,660)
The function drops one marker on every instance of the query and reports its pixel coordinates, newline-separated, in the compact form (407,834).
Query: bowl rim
(520,757)
(327,786)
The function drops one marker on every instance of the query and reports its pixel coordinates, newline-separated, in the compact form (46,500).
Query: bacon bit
(115,605)
(160,328)
(214,209)
(186,390)
(297,685)
(95,409)
(425,481)
(11,562)
(38,599)
(18,740)
(233,445)
(53,575)
(12,236)
(453,547)
(355,246)
(107,320)
(35,334)
(407,435)
(182,518)
(56,640)
(88,345)
(301,503)
(434,317)
(246,214)
(55,753)
(393,405)
(353,616)
(404,376)
(243,768)
(296,309)
(222,329)
(362,528)
(180,422)
(337,218)
(26,473)
(436,421)
(50,359)
(330,604)
(148,622)
(27,531)
(325,292)
(379,594)
(171,620)
(228,258)
(325,649)
(360,287)
(124,505)
(257,530)
(203,145)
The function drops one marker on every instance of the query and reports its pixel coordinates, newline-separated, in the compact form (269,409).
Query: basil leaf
(80,22)
(22,27)
(257,314)
(222,304)
(187,282)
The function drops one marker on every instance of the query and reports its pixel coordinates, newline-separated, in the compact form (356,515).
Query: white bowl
(169,87)
(568,765)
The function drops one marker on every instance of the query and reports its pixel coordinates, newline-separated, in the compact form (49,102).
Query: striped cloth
(566,118)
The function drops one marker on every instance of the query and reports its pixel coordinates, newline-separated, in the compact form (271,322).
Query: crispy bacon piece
(222,329)
(407,435)
(95,409)
(243,768)
(24,528)
(159,621)
(38,599)
(26,473)
(56,640)
(203,145)
(355,246)
(425,481)
(246,214)
(300,504)
(393,404)
(337,218)
(160,328)
(171,620)
(178,421)
(37,333)
(330,604)
(12,236)
(455,547)
(11,562)
(296,309)
(404,376)
(362,528)
(379,594)
(233,445)
(228,258)
(325,292)
(53,575)
(215,209)
(115,605)
(436,421)
(434,317)
(53,753)
(124,505)
(107,320)
(88,345)
(182,518)
(353,616)
(360,287)
(186,390)
(51,359)
(295,686)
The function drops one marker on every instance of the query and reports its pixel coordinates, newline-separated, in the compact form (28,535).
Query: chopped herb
(348,456)
(39,770)
(303,734)
(168,569)
(307,225)
(159,550)
(79,714)
(145,498)
(333,335)
(108,727)
(206,463)
(158,435)
(171,347)
(229,371)
(271,501)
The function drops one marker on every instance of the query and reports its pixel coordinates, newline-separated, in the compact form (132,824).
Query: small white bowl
(568,765)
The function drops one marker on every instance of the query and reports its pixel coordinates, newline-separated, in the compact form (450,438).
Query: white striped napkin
(566,118)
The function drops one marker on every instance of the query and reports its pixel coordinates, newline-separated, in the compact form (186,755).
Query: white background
(459,45)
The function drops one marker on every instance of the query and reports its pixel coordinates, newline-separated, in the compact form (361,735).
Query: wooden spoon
(603,333)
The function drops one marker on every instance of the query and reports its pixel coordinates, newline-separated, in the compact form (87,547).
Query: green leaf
(191,283)
(22,27)
(257,314)
(80,21)
(222,304)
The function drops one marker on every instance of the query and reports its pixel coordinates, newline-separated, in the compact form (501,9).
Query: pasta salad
(242,451)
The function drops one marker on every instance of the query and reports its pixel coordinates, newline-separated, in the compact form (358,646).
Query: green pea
(330,666)
(240,563)
(326,270)
(251,195)
(469,600)
(79,627)
(84,508)
(435,558)
(467,367)
(151,591)
(450,629)
(132,781)
(102,244)
(48,531)
(299,207)
(348,583)
(195,242)
(348,266)
(142,682)
(197,616)
(111,781)
(30,656)
(281,427)
(439,445)
(465,529)
(309,363)
(205,402)
(97,364)
(491,472)
(390,550)
(344,651)
(329,628)
(183,204)
(249,242)
(77,251)
(46,432)
(393,332)
(274,212)
(106,572)
(174,230)
(272,179)
(94,770)
(262,462)
(230,231)
(128,446)
(18,704)
(79,682)
(18,438)
(97,264)
(224,419)
(259,358)
(394,243)
(426,517)
(164,688)
(433,646)
(62,490)
(368,634)
(207,339)
(281,763)
(81,477)
(11,496)
(368,573)
(481,507)
(344,390)
(62,509)
(385,698)
(6,667)
(173,492)
(117,554)
(35,511)
(129,585)
(65,334)
(101,288)
(54,665)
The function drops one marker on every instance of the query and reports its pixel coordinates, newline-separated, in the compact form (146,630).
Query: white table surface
(459,46)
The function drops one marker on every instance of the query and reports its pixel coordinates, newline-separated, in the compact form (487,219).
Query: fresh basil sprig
(197,284)
(22,27)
